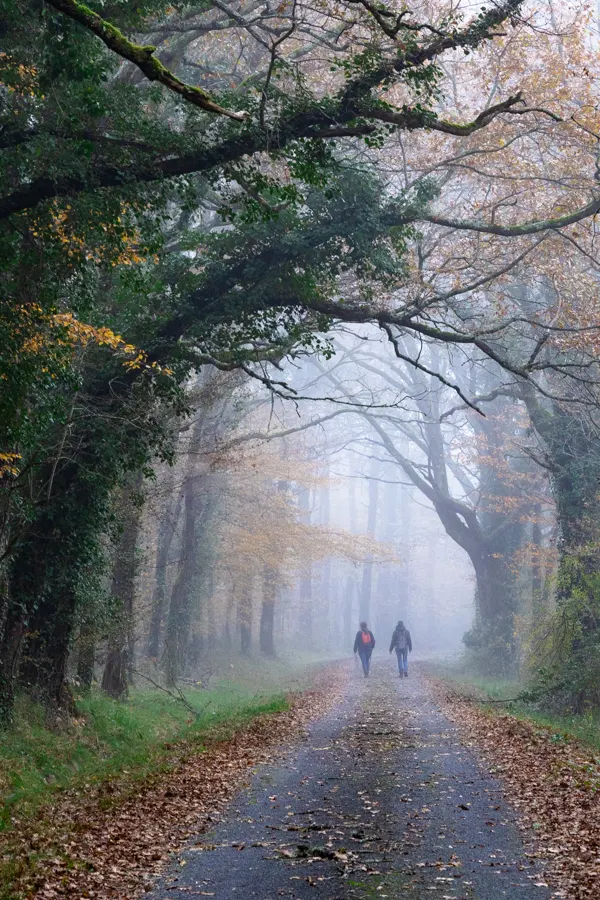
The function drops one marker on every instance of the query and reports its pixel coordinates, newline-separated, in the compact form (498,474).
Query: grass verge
(149,760)
(117,742)
(582,728)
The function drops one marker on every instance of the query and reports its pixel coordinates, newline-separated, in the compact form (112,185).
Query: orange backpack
(366,637)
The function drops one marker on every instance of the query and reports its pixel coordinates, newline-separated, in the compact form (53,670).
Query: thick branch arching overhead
(355,110)
(141,56)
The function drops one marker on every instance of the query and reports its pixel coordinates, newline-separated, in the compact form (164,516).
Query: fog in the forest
(345,488)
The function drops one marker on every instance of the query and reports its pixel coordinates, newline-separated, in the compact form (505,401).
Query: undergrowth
(111,741)
(584,728)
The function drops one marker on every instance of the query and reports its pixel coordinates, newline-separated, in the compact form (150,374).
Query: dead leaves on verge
(555,785)
(113,845)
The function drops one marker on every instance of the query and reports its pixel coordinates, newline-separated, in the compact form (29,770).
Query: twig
(180,696)
(470,698)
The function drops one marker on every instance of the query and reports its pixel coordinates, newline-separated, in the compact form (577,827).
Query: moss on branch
(141,56)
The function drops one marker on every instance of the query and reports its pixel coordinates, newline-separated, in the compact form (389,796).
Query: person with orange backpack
(364,643)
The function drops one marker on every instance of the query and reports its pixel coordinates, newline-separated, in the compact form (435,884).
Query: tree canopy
(228,184)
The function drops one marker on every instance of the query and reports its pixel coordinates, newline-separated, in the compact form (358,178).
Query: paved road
(382,800)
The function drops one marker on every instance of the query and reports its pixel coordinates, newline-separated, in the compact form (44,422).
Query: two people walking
(364,643)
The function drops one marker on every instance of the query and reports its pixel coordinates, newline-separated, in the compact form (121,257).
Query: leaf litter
(115,840)
(555,786)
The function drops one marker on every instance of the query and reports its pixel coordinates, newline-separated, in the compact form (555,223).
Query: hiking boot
(406,674)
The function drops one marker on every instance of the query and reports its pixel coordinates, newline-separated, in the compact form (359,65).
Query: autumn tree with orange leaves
(221,187)
(238,539)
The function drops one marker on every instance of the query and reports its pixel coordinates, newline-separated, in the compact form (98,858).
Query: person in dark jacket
(364,642)
(402,644)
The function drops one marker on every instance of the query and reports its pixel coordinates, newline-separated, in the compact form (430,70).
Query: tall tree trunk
(179,618)
(63,545)
(348,611)
(6,666)
(492,637)
(367,578)
(120,644)
(166,533)
(10,651)
(537,578)
(244,617)
(199,500)
(403,598)
(267,623)
(326,607)
(267,614)
(86,658)
(387,575)
(306,582)
(229,625)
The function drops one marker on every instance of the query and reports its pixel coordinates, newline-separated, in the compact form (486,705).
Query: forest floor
(92,808)
(360,789)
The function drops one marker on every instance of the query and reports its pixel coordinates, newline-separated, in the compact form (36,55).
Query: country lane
(381,800)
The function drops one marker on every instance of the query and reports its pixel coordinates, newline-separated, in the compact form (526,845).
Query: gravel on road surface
(382,800)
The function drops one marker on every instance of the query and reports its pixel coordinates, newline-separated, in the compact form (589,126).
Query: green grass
(582,728)
(124,742)
(585,729)
(475,685)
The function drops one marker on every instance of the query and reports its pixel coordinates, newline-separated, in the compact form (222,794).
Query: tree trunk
(61,550)
(267,621)
(306,582)
(388,585)
(245,638)
(348,612)
(167,529)
(367,578)
(403,598)
(537,579)
(267,614)
(492,637)
(6,660)
(326,606)
(193,576)
(120,645)
(114,678)
(47,641)
(244,615)
(86,657)
(10,651)
(178,622)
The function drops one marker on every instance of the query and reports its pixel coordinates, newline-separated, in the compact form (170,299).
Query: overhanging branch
(590,209)
(141,56)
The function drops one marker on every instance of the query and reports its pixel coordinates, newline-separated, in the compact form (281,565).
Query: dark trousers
(365,658)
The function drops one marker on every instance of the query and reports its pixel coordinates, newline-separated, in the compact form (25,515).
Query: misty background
(297,508)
